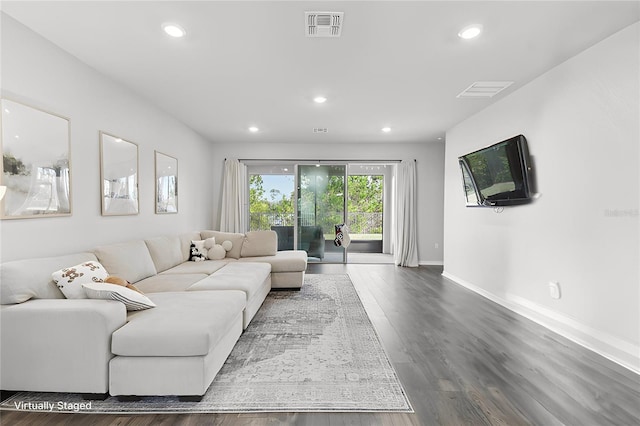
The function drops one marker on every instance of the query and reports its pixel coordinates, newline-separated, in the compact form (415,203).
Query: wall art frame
(36,162)
(166,170)
(119,165)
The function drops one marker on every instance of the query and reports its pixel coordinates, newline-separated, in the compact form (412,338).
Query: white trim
(431,263)
(611,347)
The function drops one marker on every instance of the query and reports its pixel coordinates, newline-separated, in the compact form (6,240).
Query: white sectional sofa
(52,344)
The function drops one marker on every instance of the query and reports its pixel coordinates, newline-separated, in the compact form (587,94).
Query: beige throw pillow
(130,260)
(260,243)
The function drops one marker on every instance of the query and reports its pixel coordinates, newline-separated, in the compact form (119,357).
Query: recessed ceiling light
(174,30)
(253,129)
(386,129)
(319,99)
(470,31)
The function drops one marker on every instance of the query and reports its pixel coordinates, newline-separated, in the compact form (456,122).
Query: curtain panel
(405,247)
(233,215)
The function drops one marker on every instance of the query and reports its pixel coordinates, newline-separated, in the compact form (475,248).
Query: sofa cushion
(283,261)
(259,243)
(182,324)
(165,252)
(130,260)
(69,280)
(169,282)
(235,238)
(133,300)
(206,267)
(246,276)
(21,280)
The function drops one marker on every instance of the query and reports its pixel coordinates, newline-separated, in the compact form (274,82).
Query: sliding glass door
(303,202)
(321,206)
(272,201)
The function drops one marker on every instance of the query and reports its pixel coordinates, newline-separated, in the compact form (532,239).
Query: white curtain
(405,247)
(233,217)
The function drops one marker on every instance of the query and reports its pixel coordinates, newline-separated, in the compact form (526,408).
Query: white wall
(582,123)
(36,72)
(430,166)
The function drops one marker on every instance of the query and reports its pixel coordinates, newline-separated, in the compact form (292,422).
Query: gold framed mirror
(36,158)
(166,183)
(118,176)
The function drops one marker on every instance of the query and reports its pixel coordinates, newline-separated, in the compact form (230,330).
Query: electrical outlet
(554,289)
(437,245)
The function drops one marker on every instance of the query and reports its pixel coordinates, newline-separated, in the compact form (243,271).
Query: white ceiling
(397,64)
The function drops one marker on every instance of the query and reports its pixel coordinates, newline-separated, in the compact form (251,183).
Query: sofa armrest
(58,345)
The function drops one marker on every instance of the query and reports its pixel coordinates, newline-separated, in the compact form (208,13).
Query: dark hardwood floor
(462,359)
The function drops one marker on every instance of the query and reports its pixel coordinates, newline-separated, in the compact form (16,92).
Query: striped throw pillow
(133,300)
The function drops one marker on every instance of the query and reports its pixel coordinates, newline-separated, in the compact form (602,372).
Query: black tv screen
(498,175)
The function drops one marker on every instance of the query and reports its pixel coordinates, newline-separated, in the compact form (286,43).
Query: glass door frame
(319,163)
(295,163)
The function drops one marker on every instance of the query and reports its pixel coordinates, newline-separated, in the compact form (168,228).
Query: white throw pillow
(70,280)
(217,252)
(235,238)
(209,242)
(133,300)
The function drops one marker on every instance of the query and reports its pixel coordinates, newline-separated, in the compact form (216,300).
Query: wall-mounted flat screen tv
(498,175)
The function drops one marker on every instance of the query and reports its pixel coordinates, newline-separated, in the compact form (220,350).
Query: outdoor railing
(358,222)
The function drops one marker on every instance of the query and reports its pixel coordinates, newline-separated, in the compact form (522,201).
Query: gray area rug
(313,350)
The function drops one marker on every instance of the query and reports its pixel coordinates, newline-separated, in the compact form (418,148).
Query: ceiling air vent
(320,130)
(484,89)
(323,24)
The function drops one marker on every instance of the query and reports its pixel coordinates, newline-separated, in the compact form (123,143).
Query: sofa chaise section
(287,267)
(178,347)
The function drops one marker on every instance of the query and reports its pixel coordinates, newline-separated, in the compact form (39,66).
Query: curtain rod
(326,161)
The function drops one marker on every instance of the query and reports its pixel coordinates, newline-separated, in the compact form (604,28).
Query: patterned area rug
(313,350)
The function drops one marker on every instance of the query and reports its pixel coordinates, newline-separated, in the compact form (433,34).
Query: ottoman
(178,347)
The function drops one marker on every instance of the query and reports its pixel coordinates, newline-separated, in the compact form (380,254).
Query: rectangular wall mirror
(166,183)
(35,149)
(119,176)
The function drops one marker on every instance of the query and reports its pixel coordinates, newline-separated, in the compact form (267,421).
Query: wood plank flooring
(462,359)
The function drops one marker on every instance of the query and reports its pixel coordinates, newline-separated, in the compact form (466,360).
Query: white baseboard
(613,348)
(431,263)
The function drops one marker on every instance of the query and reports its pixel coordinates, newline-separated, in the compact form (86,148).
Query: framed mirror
(118,175)
(166,183)
(36,171)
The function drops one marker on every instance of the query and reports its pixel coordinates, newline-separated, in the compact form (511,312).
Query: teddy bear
(111,279)
(197,251)
(217,251)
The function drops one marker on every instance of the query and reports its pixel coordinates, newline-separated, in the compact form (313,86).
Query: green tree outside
(322,206)
(265,210)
